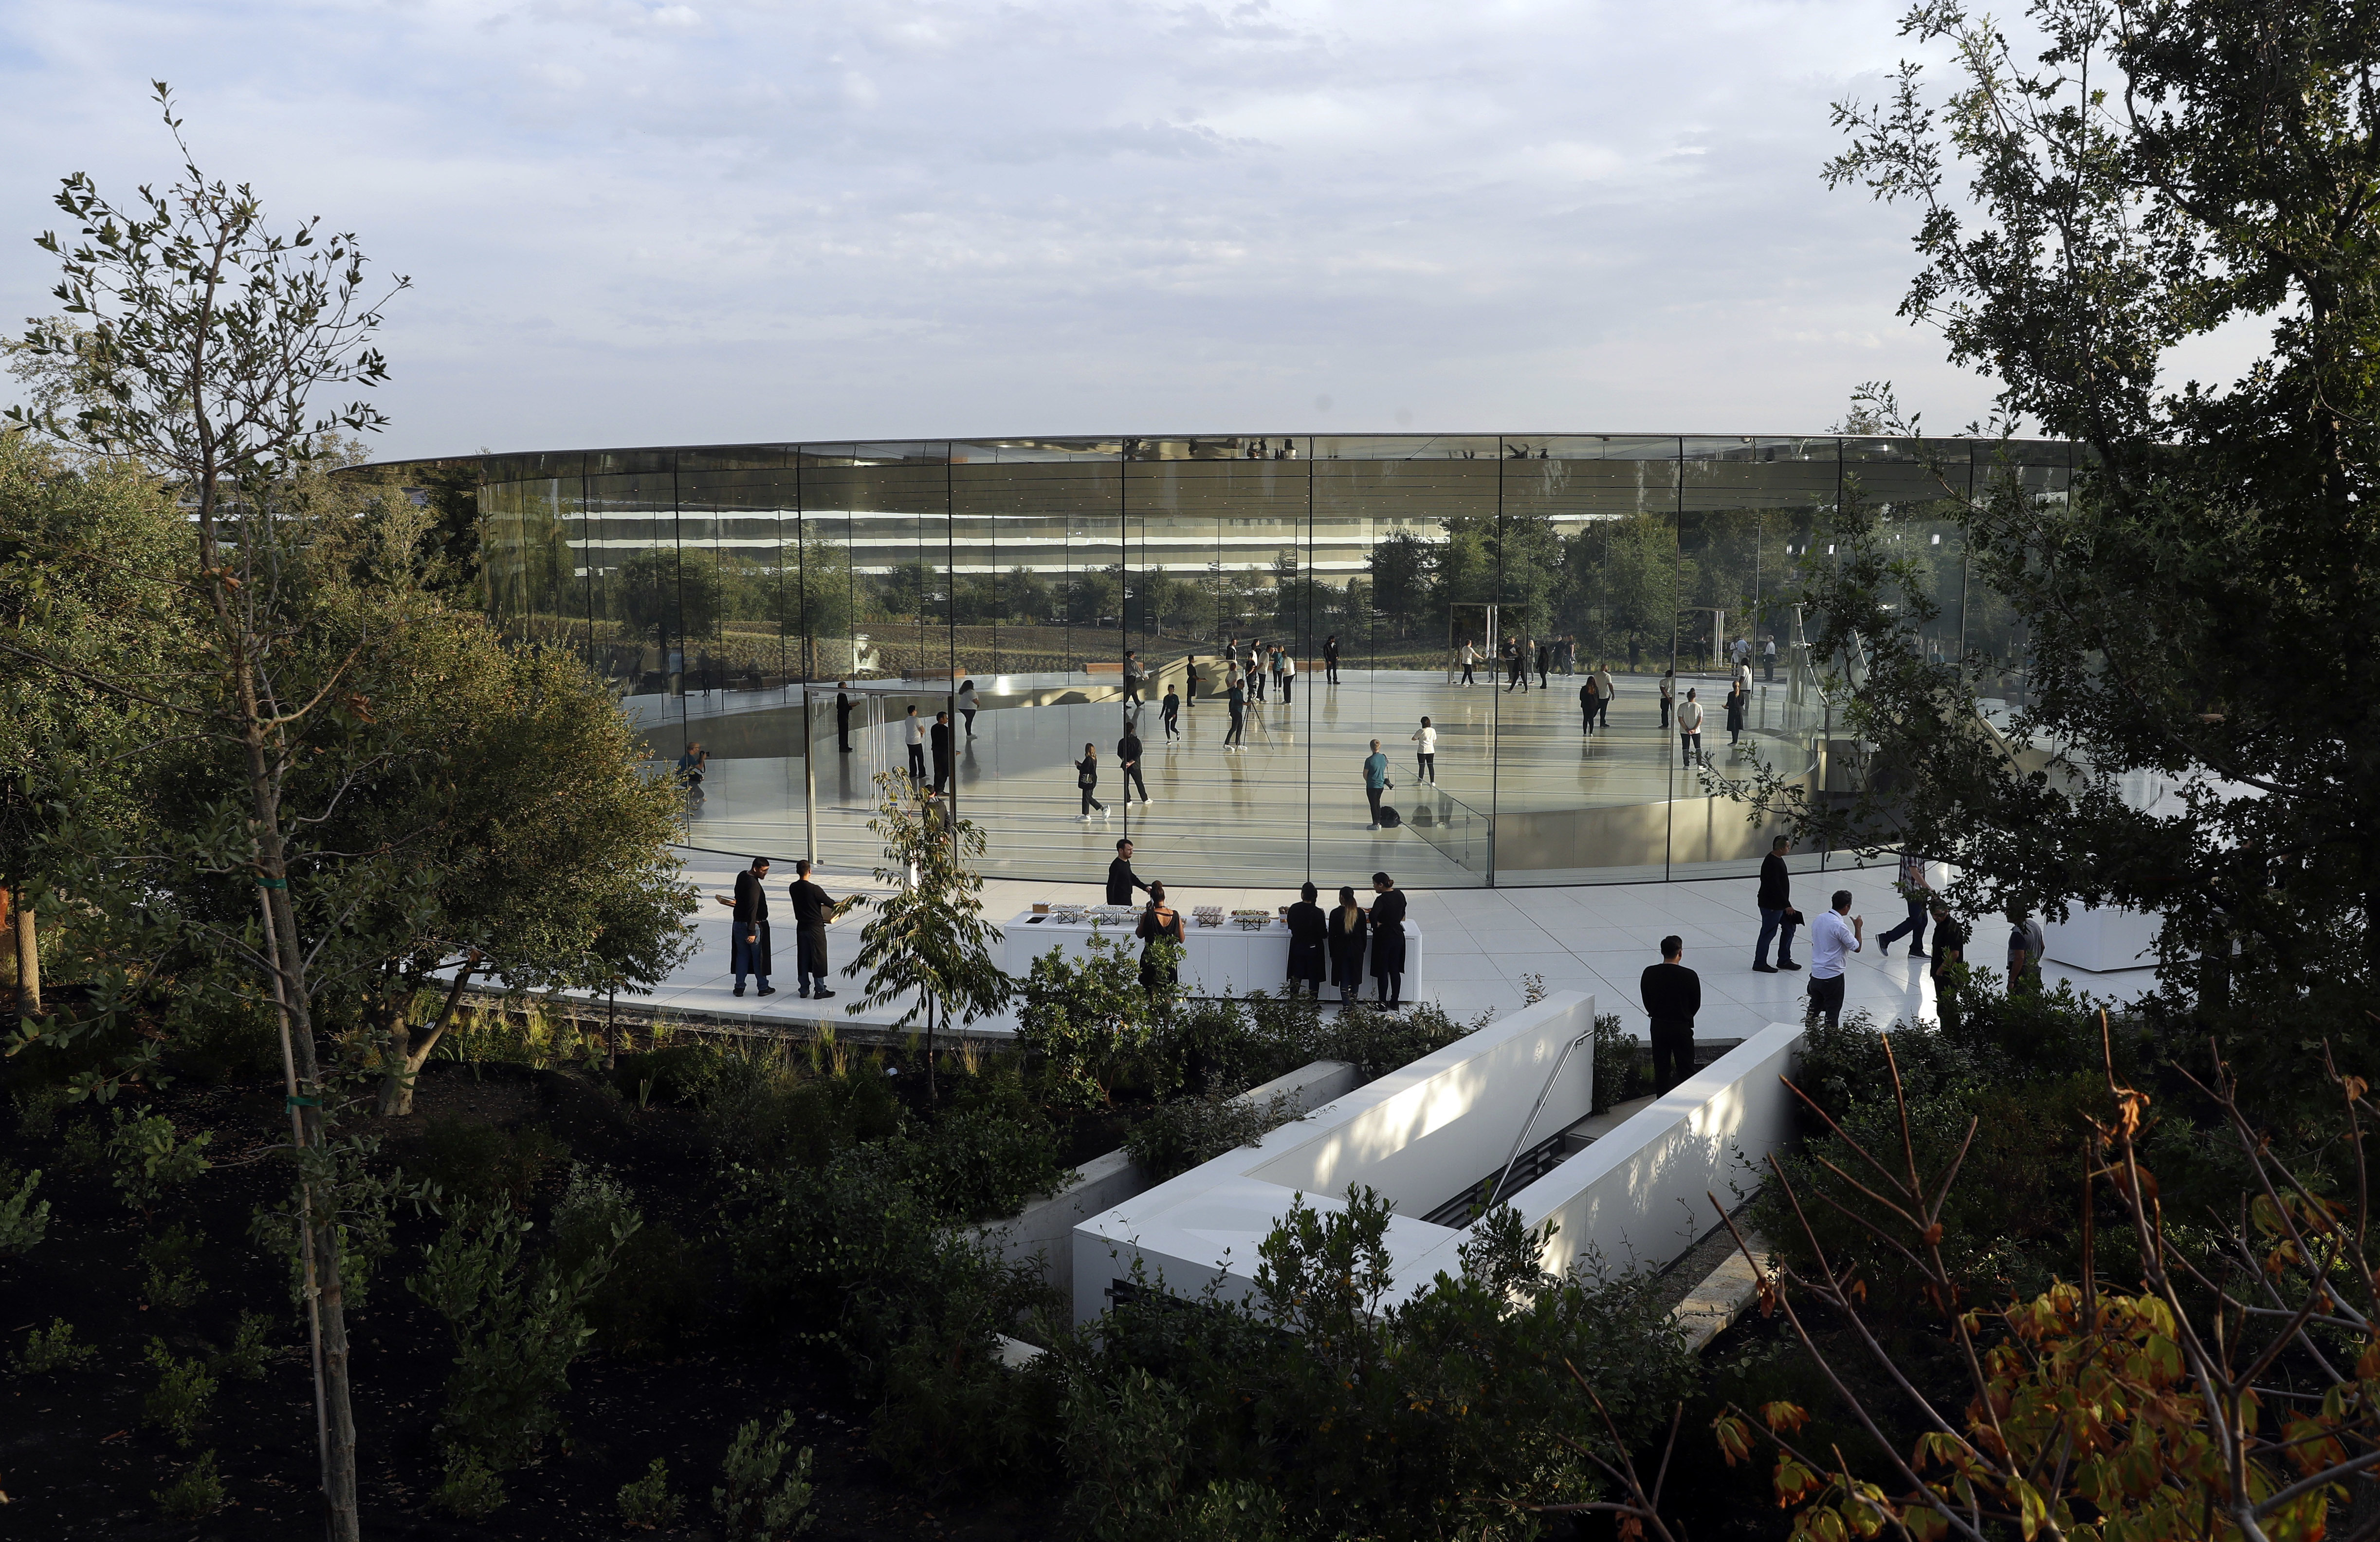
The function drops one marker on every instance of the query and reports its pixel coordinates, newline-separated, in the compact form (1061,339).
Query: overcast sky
(631,222)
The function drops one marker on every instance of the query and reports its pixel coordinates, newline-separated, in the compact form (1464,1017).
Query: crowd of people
(1336,945)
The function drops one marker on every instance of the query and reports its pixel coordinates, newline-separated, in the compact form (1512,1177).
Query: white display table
(1217,961)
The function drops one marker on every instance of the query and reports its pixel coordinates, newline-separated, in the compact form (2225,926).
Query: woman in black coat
(1735,713)
(1309,943)
(1350,932)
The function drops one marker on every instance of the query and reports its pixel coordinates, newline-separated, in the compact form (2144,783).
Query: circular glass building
(776,603)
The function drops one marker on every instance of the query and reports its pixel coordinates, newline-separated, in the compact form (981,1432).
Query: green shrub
(248,1351)
(169,1257)
(480,1163)
(37,1110)
(470,1487)
(516,1330)
(85,1148)
(756,1504)
(985,1162)
(653,1292)
(50,1350)
(23,1220)
(1379,1042)
(765,1114)
(1188,1131)
(178,1404)
(1089,1026)
(1621,1073)
(679,1074)
(1129,1460)
(196,1492)
(647,1503)
(149,1159)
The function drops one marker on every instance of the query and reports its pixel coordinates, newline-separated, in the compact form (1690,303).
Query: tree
(2157,171)
(1402,568)
(926,940)
(679,593)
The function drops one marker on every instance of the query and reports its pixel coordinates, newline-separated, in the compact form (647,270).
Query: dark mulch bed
(77,1462)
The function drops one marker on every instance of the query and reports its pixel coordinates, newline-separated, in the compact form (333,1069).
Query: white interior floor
(1483,945)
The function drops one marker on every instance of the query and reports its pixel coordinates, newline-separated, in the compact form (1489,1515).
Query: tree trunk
(397,1090)
(29,961)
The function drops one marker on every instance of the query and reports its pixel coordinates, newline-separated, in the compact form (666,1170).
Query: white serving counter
(1217,961)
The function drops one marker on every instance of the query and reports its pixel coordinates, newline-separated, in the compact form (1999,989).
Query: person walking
(912,733)
(1470,656)
(1330,664)
(843,716)
(2026,947)
(748,936)
(1776,912)
(1087,778)
(1376,779)
(1604,691)
(1288,679)
(1237,701)
(940,736)
(1833,938)
(1425,758)
(1769,657)
(1743,672)
(1689,729)
(1508,651)
(1917,893)
(1132,678)
(1128,763)
(1672,994)
(1669,694)
(812,911)
(1587,698)
(1160,923)
(1736,693)
(1309,943)
(1121,879)
(1169,713)
(1521,657)
(1388,941)
(968,705)
(1545,662)
(1350,933)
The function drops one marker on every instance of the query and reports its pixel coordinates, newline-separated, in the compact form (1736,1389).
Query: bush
(173,1281)
(470,1487)
(149,1159)
(652,1291)
(678,1075)
(50,1350)
(1089,1026)
(23,1220)
(1621,1072)
(754,1504)
(37,1110)
(482,1164)
(197,1492)
(1189,1130)
(766,1114)
(178,1402)
(248,1351)
(647,1503)
(981,1164)
(1379,1042)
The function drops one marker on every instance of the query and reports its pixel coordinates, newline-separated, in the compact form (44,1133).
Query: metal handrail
(1537,1108)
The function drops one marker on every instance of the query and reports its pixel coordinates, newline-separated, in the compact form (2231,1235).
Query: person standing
(1121,879)
(1169,713)
(1425,758)
(843,716)
(1736,692)
(1744,673)
(1329,667)
(1309,943)
(1672,994)
(1509,653)
(748,936)
(1587,698)
(1237,701)
(1916,892)
(1669,694)
(1388,941)
(1604,691)
(2026,947)
(1287,676)
(1833,938)
(1253,667)
(1769,657)
(1376,779)
(1689,729)
(1350,932)
(1950,948)
(968,705)
(1160,923)
(1522,657)
(812,911)
(1469,656)
(1128,762)
(690,768)
(1776,912)
(912,733)
(1272,665)
(1545,662)
(1086,779)
(1190,672)
(940,735)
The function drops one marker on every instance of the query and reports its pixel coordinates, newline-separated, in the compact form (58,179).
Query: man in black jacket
(1388,941)
(1121,879)
(1672,994)
(812,911)
(940,736)
(843,716)
(748,934)
(1128,756)
(1776,912)
(1330,659)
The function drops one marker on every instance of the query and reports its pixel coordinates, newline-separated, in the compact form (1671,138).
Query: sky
(709,220)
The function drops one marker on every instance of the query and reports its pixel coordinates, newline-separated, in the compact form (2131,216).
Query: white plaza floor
(1482,945)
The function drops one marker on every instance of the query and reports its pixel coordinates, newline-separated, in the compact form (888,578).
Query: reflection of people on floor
(1672,994)
(1309,941)
(1349,930)
(1388,939)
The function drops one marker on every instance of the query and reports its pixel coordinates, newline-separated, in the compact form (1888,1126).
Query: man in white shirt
(1426,769)
(1669,694)
(1834,936)
(1604,691)
(1689,728)
(1768,658)
(1470,657)
(914,735)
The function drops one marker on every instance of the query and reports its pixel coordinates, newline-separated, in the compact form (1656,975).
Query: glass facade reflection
(724,591)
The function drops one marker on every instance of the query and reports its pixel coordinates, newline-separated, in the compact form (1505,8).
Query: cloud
(632,223)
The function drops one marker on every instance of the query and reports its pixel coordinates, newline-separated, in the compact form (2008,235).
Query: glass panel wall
(1533,612)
